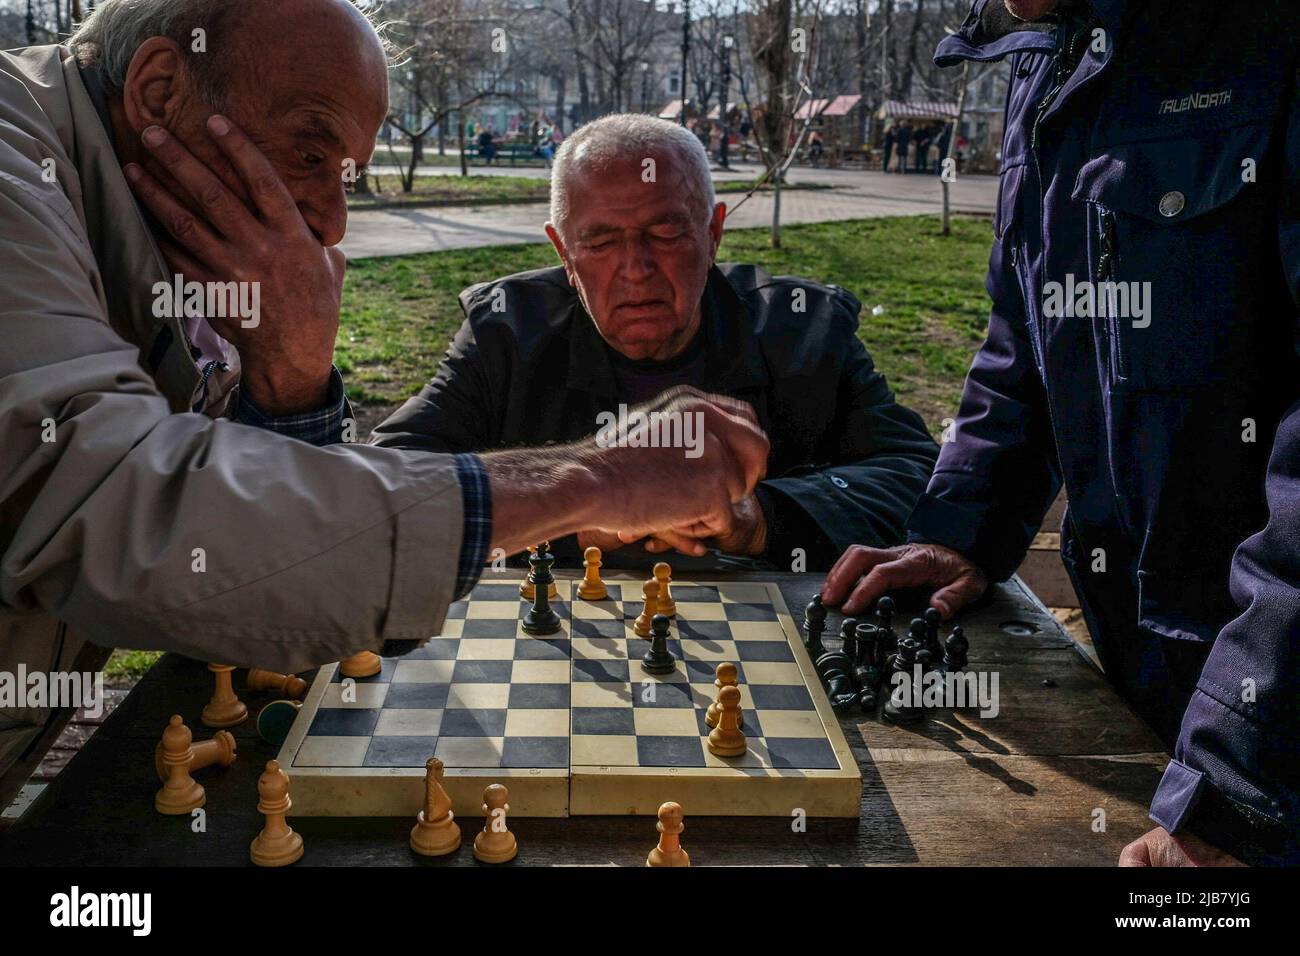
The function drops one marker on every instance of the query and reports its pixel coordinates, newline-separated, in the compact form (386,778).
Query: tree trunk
(910,69)
(776,211)
(442,123)
(559,102)
(952,144)
(861,114)
(460,141)
(584,97)
(886,51)
(417,150)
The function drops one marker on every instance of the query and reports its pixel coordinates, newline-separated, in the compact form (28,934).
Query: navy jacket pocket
(1172,279)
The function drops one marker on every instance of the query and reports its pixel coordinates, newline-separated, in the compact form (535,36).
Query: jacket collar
(733,357)
(130,263)
(990,33)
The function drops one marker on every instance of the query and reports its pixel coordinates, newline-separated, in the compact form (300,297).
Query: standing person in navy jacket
(1142,350)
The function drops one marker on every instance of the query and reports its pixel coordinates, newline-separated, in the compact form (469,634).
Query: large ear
(716,224)
(156,84)
(554,235)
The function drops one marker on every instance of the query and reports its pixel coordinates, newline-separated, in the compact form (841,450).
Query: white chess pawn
(664,575)
(669,851)
(219,750)
(592,587)
(364,664)
(725,675)
(286,685)
(726,739)
(224,709)
(650,595)
(495,843)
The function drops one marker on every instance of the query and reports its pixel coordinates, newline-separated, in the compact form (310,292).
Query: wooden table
(1028,786)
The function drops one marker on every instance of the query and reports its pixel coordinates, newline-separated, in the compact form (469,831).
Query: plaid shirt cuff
(476,502)
(321,427)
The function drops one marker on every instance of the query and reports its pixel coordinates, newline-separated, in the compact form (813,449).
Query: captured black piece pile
(859,672)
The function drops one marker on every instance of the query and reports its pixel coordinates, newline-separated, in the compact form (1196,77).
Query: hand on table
(863,574)
(1158,848)
(217,236)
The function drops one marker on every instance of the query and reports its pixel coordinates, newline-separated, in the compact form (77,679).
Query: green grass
(400,313)
(454,189)
(127,667)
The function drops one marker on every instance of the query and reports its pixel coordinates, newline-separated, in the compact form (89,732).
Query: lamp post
(645,87)
(728,41)
(686,52)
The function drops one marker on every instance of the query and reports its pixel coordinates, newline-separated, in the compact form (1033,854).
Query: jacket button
(839,482)
(1172,203)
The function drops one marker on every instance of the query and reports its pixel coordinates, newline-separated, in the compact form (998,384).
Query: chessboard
(570,722)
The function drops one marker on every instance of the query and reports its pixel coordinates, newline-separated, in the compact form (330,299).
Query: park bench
(514,152)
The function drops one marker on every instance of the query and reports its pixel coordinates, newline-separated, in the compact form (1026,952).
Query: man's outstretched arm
(155,530)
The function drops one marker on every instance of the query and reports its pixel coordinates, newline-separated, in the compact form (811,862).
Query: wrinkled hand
(742,529)
(650,489)
(607,541)
(1158,848)
(287,350)
(863,574)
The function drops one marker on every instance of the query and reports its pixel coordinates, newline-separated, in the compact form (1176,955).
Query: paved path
(859,195)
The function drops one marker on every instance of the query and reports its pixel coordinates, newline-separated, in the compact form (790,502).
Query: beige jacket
(308,554)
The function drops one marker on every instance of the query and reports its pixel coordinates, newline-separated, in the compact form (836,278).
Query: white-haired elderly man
(144,502)
(639,306)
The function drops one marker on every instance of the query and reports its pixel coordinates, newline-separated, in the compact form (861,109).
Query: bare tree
(622,33)
(783,35)
(448,61)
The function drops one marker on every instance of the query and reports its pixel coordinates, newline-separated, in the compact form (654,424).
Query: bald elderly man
(637,306)
(174,471)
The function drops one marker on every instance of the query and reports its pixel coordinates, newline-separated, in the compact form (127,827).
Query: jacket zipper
(1065,65)
(202,389)
(1106,273)
(1119,370)
(1106,261)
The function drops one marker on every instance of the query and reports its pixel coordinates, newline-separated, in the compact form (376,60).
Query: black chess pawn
(849,639)
(814,625)
(933,618)
(886,639)
(541,618)
(885,613)
(955,650)
(916,635)
(659,660)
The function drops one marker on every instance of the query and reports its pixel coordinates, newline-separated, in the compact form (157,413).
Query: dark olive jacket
(848,462)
